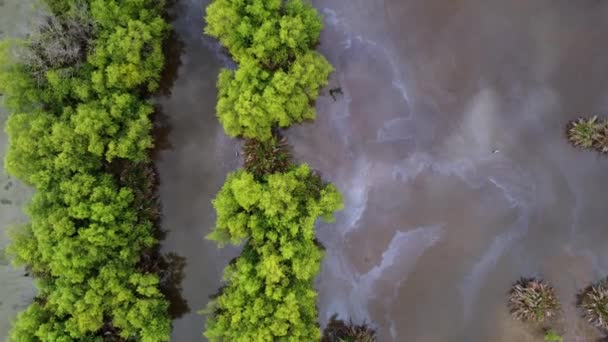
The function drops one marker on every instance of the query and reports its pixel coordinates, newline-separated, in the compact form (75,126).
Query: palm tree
(585,132)
(593,301)
(533,300)
(340,331)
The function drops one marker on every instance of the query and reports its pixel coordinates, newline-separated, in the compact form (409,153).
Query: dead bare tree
(59,42)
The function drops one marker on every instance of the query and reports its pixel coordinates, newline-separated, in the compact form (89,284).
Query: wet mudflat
(16,290)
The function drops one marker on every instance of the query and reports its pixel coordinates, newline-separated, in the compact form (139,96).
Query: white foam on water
(393,330)
(411,167)
(356,195)
(331,16)
(402,253)
(473,282)
(519,195)
(418,162)
(394,130)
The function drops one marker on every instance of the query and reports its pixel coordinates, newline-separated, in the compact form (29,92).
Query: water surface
(448,145)
(192,167)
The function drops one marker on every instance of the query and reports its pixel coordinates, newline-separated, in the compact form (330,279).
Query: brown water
(193,166)
(436,225)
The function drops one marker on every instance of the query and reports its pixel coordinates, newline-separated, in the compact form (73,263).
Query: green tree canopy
(273,32)
(269,294)
(76,126)
(252,100)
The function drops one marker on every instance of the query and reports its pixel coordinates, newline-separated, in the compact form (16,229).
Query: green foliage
(272,32)
(272,205)
(279,74)
(269,294)
(80,134)
(583,132)
(252,100)
(553,336)
(281,203)
(533,300)
(593,301)
(129,56)
(589,133)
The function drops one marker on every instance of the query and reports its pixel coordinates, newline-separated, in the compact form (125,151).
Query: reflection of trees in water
(172,274)
(170,269)
(173,48)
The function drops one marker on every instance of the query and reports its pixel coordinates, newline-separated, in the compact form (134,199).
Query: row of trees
(272,204)
(79,134)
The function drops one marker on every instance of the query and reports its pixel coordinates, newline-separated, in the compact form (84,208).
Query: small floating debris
(335,91)
(495,151)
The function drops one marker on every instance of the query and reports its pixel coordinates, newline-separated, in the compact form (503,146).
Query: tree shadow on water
(173,48)
(161,131)
(170,268)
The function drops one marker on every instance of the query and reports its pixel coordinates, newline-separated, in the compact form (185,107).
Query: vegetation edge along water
(272,204)
(79,134)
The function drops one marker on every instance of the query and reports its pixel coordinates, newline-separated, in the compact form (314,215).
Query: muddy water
(449,147)
(197,156)
(16,290)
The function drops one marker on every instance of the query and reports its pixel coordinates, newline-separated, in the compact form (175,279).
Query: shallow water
(16,290)
(436,225)
(197,156)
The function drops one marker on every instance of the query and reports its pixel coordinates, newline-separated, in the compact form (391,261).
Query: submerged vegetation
(589,133)
(79,134)
(593,302)
(533,300)
(272,204)
(267,157)
(553,336)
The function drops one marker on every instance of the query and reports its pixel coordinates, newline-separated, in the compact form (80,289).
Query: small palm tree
(340,331)
(593,302)
(584,132)
(533,300)
(601,139)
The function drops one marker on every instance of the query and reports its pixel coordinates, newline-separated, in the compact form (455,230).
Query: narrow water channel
(194,160)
